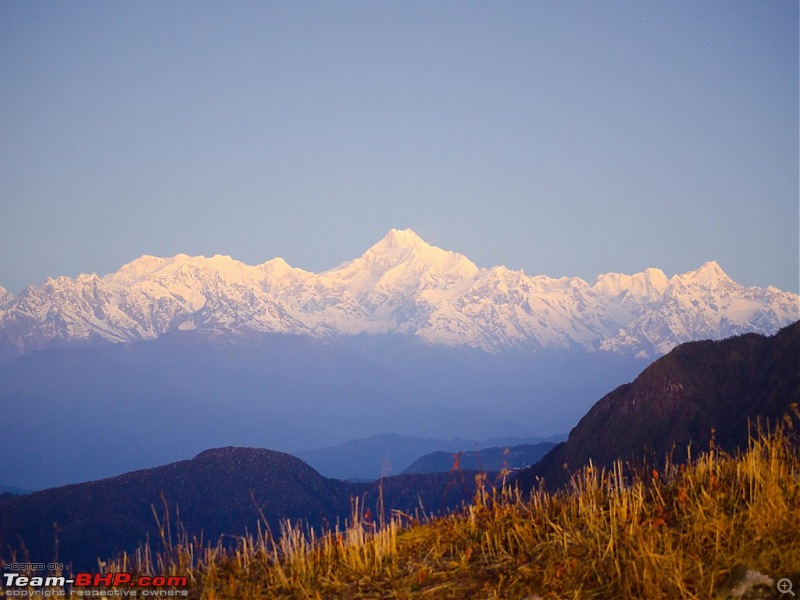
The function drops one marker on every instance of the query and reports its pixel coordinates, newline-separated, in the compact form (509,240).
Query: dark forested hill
(697,388)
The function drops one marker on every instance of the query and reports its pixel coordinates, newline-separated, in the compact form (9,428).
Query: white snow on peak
(277,267)
(710,273)
(648,285)
(150,267)
(403,237)
(276,264)
(401,262)
(142,266)
(405,246)
(656,278)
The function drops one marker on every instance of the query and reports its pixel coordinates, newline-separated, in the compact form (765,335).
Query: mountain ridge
(401,284)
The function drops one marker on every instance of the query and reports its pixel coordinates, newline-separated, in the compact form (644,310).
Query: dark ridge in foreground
(698,392)
(225,491)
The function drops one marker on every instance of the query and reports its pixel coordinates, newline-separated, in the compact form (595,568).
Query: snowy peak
(144,266)
(656,278)
(183,266)
(709,274)
(403,238)
(277,267)
(648,285)
(402,263)
(407,248)
(147,266)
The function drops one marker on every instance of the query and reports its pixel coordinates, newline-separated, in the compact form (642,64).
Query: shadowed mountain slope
(679,399)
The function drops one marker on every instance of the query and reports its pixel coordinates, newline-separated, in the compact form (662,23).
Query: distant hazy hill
(389,454)
(488,459)
(221,491)
(679,399)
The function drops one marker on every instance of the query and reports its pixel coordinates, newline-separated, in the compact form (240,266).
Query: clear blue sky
(565,138)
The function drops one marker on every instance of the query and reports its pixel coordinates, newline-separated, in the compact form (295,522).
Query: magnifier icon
(785,586)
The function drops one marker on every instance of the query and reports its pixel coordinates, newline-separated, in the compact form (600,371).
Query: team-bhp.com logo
(94,585)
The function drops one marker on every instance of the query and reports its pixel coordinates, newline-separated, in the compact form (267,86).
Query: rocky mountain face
(401,285)
(698,391)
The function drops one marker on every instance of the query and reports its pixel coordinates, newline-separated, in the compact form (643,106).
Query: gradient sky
(564,138)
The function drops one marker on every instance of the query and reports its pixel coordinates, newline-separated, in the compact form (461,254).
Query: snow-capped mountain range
(400,285)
